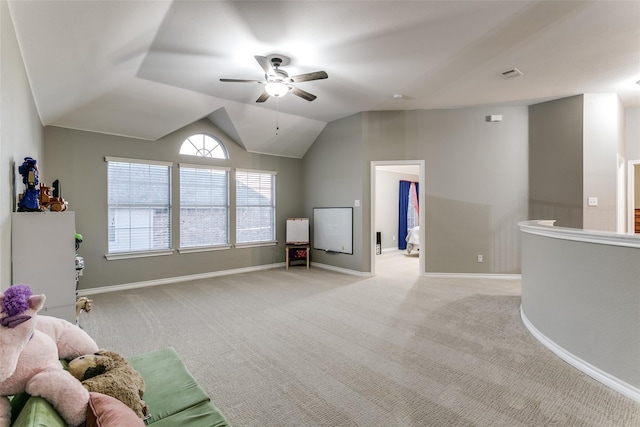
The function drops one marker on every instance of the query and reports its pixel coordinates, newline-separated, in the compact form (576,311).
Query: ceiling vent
(511,74)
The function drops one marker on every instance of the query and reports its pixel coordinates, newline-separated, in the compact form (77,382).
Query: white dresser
(43,257)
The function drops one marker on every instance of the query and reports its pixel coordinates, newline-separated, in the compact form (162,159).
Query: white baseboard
(342,270)
(598,374)
(168,280)
(476,275)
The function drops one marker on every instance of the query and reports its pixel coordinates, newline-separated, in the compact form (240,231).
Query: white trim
(476,276)
(631,185)
(194,166)
(191,250)
(543,228)
(178,279)
(621,197)
(256,171)
(255,244)
(141,254)
(342,270)
(598,374)
(140,161)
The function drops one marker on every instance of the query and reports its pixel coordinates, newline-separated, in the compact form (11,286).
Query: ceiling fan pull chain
(277,123)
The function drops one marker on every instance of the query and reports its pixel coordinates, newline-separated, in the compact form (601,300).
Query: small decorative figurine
(29,200)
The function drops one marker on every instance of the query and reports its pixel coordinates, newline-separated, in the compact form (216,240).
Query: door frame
(421,203)
(631,168)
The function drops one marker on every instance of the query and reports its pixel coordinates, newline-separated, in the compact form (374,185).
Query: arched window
(202,145)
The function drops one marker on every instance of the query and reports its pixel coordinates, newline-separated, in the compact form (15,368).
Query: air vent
(511,74)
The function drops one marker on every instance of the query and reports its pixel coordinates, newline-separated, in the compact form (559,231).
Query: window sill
(130,255)
(256,244)
(204,249)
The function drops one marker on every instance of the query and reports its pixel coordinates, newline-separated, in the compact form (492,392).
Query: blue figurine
(30,199)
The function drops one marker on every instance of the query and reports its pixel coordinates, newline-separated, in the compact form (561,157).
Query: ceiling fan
(277,82)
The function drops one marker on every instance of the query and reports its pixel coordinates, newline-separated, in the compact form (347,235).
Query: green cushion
(17,403)
(37,412)
(169,386)
(203,414)
(173,396)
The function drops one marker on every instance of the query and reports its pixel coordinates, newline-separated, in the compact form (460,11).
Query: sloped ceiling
(144,69)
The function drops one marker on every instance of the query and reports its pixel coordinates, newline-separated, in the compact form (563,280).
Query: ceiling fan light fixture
(277,82)
(276,89)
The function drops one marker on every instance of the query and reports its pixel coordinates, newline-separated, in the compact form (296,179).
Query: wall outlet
(480,258)
(394,238)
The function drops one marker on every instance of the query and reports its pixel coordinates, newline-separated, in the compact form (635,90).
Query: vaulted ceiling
(144,69)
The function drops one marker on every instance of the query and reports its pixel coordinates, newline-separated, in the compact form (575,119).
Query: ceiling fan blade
(240,81)
(302,93)
(316,75)
(266,65)
(263,97)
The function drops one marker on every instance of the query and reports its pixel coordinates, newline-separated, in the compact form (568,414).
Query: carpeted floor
(318,348)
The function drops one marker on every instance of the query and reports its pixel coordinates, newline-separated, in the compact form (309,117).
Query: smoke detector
(511,74)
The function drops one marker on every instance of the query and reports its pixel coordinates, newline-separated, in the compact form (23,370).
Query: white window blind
(255,206)
(139,203)
(204,206)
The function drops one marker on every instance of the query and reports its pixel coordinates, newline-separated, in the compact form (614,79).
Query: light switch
(592,201)
(356,203)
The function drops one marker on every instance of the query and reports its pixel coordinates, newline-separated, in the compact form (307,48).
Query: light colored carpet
(317,348)
(397,263)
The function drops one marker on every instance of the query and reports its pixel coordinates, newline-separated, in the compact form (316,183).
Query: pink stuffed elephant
(69,338)
(29,356)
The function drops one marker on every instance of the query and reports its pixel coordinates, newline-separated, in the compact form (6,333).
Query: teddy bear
(109,373)
(29,358)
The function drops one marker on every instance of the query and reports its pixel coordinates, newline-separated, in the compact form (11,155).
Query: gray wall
(574,145)
(469,209)
(469,162)
(21,133)
(333,177)
(584,297)
(555,161)
(632,133)
(76,158)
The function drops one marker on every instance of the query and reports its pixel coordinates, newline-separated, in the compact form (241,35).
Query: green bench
(173,395)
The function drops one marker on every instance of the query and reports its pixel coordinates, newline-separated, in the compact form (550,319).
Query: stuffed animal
(109,373)
(29,360)
(83,304)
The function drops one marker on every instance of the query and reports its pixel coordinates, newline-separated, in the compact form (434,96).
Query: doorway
(621,197)
(389,239)
(633,193)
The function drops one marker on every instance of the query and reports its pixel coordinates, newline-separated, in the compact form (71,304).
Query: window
(204,206)
(202,145)
(255,206)
(139,203)
(413,217)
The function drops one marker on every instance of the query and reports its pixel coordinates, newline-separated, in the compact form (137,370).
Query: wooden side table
(298,249)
